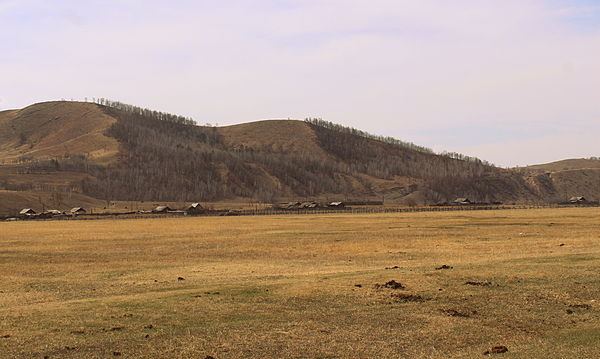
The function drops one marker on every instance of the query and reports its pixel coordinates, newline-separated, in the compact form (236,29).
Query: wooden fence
(310,211)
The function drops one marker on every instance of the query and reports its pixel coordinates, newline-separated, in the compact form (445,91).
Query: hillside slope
(559,186)
(283,136)
(126,153)
(51,129)
(570,164)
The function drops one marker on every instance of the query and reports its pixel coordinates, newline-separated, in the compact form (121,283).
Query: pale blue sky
(515,82)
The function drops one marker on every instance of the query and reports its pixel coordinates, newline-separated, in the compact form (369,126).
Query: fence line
(315,211)
(263,212)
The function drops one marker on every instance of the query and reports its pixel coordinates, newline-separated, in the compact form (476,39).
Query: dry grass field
(304,286)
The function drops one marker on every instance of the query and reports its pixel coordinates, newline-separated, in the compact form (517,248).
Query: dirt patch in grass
(390,285)
(456,313)
(407,298)
(479,284)
(498,349)
(444,267)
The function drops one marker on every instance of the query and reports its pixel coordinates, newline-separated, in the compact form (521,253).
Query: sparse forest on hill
(167,160)
(170,159)
(164,157)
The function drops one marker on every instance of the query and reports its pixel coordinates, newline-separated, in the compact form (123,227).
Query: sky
(514,82)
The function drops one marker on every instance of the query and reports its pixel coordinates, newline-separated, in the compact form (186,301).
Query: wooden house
(195,208)
(27,212)
(162,209)
(577,200)
(77,211)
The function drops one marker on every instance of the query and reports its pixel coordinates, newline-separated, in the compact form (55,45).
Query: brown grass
(285,287)
(51,129)
(274,135)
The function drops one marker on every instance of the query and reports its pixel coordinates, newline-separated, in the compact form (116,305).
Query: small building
(50,213)
(577,200)
(289,205)
(195,208)
(309,205)
(161,209)
(337,204)
(462,200)
(77,210)
(27,212)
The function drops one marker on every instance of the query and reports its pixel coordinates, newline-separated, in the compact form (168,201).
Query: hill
(113,151)
(52,129)
(570,164)
(558,181)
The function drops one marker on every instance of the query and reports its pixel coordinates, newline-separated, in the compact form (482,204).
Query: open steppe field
(304,286)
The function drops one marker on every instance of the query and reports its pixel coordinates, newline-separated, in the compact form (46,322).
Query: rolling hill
(56,129)
(559,180)
(113,151)
(565,165)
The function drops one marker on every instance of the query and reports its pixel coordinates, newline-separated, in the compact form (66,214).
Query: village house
(289,205)
(462,200)
(77,211)
(50,213)
(162,209)
(309,205)
(195,208)
(337,204)
(577,200)
(27,212)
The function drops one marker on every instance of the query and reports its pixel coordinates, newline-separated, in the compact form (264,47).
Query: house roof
(27,211)
(77,209)
(290,205)
(310,204)
(162,209)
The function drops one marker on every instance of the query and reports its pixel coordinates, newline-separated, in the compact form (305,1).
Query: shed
(27,212)
(462,200)
(161,209)
(337,204)
(577,199)
(309,205)
(194,208)
(290,205)
(78,210)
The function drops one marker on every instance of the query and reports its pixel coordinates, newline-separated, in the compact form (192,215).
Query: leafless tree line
(169,157)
